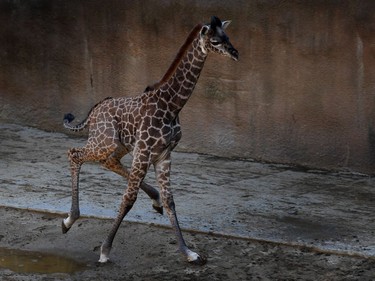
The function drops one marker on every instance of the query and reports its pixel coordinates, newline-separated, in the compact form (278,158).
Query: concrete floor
(329,212)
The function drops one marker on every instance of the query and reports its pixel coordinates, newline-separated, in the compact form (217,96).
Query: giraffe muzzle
(233,53)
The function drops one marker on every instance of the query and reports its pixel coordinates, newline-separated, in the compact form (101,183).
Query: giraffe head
(214,39)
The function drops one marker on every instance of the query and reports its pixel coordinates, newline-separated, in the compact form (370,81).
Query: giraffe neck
(177,87)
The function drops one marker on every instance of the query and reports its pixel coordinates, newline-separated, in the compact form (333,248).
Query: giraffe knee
(168,203)
(171,205)
(129,199)
(75,155)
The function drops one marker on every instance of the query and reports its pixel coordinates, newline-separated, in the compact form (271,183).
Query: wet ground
(254,221)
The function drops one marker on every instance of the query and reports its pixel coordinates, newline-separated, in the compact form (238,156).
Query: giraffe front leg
(191,256)
(130,196)
(74,210)
(114,164)
(162,169)
(126,205)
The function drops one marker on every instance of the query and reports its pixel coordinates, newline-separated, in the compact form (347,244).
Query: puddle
(35,262)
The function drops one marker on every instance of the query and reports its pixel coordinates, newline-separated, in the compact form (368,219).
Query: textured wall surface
(303,91)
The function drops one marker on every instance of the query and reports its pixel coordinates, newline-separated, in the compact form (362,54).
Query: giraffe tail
(68,118)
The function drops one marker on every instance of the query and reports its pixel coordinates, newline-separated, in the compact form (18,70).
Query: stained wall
(303,91)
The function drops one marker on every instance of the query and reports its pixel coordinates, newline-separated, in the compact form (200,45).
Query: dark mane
(181,53)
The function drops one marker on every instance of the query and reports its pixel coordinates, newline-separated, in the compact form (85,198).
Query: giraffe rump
(68,118)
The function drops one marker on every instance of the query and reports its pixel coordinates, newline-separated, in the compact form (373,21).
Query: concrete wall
(303,91)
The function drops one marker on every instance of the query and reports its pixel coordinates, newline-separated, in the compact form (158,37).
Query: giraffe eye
(215,42)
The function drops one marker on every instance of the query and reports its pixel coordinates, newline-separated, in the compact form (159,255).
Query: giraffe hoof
(199,261)
(158,209)
(64,228)
(103,259)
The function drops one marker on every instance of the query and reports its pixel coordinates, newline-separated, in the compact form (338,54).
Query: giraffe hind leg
(75,156)
(154,195)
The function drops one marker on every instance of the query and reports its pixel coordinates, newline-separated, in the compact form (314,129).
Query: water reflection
(36,262)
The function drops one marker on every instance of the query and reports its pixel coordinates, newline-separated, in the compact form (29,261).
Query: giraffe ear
(225,24)
(204,30)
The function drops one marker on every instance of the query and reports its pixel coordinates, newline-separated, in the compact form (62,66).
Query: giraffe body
(146,126)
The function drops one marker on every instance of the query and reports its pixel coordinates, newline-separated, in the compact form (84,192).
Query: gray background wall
(303,91)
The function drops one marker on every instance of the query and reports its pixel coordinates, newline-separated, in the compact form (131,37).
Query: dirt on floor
(33,248)
(253,221)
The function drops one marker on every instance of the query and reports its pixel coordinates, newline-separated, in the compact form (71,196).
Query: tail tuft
(68,118)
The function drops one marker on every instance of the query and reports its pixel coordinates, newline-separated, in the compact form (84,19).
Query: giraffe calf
(146,126)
